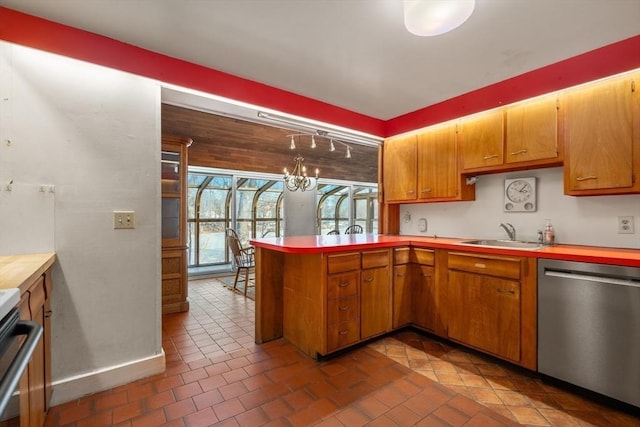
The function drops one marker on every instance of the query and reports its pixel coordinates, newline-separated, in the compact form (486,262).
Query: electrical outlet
(625,225)
(124,219)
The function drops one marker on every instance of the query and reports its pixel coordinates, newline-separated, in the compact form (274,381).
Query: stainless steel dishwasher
(589,327)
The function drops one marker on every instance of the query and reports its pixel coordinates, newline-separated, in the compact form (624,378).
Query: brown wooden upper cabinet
(602,138)
(424,167)
(400,168)
(523,135)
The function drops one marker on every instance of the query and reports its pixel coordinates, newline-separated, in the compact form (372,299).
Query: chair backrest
(334,232)
(234,244)
(353,229)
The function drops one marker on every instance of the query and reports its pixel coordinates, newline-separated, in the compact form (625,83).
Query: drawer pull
(344,308)
(426,190)
(479,265)
(368,279)
(515,153)
(345,332)
(48,313)
(343,284)
(506,291)
(492,156)
(425,275)
(585,178)
(399,274)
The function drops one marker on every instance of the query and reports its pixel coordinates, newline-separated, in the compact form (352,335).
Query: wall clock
(520,195)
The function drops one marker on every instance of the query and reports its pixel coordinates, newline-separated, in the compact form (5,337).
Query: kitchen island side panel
(268,292)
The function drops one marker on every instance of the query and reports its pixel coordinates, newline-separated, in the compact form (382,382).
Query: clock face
(519,191)
(520,195)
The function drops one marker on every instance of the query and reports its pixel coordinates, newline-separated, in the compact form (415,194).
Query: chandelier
(298,179)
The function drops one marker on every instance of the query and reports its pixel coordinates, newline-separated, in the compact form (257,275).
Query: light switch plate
(124,219)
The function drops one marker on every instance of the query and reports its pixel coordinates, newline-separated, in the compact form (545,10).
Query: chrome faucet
(510,229)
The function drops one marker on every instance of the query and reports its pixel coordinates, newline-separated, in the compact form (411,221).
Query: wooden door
(532,130)
(438,163)
(423,298)
(375,302)
(482,139)
(399,168)
(401,295)
(485,313)
(599,137)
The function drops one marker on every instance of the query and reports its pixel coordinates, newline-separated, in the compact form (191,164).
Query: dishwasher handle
(593,278)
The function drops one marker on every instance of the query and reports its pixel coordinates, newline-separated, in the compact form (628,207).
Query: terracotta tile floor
(217,376)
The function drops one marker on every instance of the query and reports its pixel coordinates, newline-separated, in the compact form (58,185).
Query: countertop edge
(578,253)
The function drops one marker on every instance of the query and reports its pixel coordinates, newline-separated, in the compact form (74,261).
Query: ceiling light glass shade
(435,17)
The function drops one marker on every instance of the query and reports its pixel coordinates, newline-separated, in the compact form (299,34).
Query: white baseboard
(75,387)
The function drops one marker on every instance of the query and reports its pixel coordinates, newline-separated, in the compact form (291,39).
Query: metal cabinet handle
(515,153)
(343,284)
(492,156)
(345,332)
(506,291)
(585,178)
(399,274)
(344,308)
(48,313)
(426,190)
(479,265)
(368,279)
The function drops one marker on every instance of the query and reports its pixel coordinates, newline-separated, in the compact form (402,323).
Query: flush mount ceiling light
(435,17)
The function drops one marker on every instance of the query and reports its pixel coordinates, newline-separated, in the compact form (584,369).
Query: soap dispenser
(549,234)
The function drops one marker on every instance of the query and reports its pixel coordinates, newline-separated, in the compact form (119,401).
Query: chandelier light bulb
(435,17)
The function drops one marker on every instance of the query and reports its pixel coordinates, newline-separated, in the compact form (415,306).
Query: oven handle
(11,378)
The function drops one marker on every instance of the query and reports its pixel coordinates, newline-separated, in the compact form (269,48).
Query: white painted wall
(577,220)
(94,134)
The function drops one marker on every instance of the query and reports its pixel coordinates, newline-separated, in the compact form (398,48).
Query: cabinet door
(532,131)
(482,140)
(401,295)
(599,137)
(375,302)
(485,313)
(423,298)
(438,163)
(399,166)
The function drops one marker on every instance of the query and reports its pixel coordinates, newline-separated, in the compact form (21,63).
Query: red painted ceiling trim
(38,33)
(606,61)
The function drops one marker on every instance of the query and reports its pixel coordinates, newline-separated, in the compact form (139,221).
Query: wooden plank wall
(230,143)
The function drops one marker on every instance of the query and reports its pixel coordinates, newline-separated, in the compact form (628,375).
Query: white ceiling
(355,54)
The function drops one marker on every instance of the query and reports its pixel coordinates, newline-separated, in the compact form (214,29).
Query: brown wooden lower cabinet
(333,301)
(35,384)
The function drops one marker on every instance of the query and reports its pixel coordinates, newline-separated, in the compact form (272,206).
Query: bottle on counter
(549,236)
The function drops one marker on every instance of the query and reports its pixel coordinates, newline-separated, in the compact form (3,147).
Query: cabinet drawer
(343,262)
(423,256)
(343,334)
(401,256)
(373,259)
(343,285)
(343,309)
(489,265)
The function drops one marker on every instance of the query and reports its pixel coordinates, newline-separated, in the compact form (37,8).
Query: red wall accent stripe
(38,33)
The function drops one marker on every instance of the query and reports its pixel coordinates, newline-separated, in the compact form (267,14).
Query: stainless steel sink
(509,244)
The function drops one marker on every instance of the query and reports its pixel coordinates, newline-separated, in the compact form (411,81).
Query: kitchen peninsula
(326,293)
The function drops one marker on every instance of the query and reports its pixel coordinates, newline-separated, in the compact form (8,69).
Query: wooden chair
(353,229)
(334,232)
(243,258)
